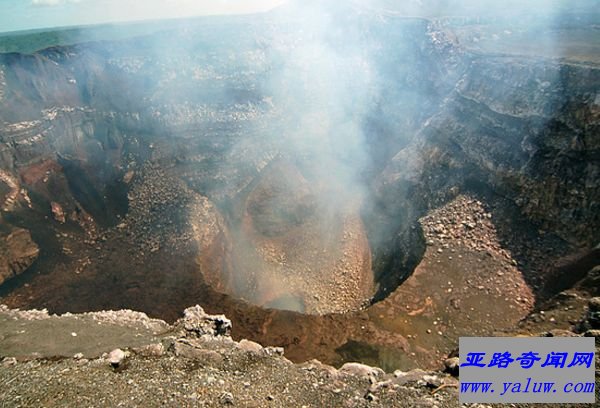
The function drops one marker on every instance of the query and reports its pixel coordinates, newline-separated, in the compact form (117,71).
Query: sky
(32,14)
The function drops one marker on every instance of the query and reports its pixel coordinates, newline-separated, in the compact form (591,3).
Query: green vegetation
(34,40)
(30,41)
(27,42)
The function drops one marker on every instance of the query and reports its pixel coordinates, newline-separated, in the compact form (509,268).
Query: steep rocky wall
(526,129)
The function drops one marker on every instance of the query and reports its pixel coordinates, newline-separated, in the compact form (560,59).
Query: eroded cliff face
(17,252)
(217,107)
(526,129)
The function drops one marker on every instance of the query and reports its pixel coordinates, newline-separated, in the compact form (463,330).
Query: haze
(18,15)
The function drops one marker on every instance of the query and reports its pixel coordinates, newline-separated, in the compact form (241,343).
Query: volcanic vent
(291,250)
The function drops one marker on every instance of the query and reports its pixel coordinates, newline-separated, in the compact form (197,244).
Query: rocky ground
(192,363)
(150,262)
(294,244)
(490,279)
(139,361)
(492,276)
(488,289)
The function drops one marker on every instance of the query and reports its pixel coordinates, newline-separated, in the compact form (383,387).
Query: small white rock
(116,357)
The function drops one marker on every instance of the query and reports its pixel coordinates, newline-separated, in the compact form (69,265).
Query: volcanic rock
(360,370)
(17,252)
(250,346)
(452,366)
(58,212)
(196,323)
(593,315)
(116,358)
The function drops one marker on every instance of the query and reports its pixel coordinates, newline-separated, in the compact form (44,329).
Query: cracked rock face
(17,253)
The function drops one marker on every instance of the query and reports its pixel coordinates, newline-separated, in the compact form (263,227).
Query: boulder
(593,314)
(196,323)
(116,358)
(451,366)
(58,212)
(186,349)
(250,346)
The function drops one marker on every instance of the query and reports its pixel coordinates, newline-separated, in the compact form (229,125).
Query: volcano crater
(344,200)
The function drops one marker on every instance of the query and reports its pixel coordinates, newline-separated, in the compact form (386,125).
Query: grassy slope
(30,41)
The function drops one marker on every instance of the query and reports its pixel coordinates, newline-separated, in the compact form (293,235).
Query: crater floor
(490,277)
